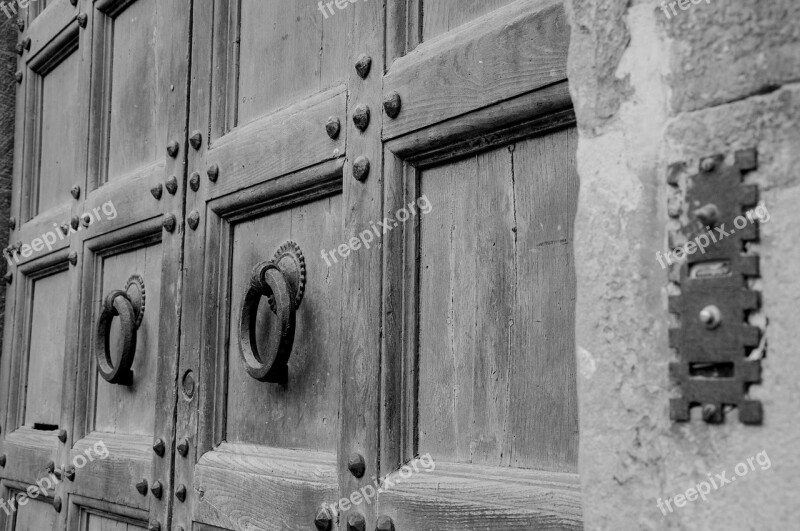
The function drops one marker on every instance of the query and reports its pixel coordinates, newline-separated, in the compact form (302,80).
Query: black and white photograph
(400,265)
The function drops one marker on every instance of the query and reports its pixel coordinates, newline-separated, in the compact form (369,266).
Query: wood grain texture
(246,487)
(118,408)
(287,141)
(515,49)
(455,497)
(288,52)
(496,360)
(46,350)
(137,127)
(362,282)
(304,413)
(58,122)
(442,16)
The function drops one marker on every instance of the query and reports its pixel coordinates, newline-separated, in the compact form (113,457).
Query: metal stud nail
(20,48)
(57,473)
(196,140)
(384,524)
(169,222)
(356,465)
(154,525)
(73,258)
(64,229)
(180,493)
(70,473)
(26,43)
(361,116)
(141,487)
(3,460)
(361,168)
(173,148)
(18,76)
(172,185)
(8,278)
(20,24)
(183,447)
(50,467)
(194,181)
(57,504)
(711,413)
(392,104)
(193,219)
(708,214)
(157,191)
(363,65)
(73,2)
(156,489)
(158,447)
(86,220)
(12,222)
(62,435)
(213,173)
(83,18)
(75,191)
(711,317)
(333,126)
(74,221)
(708,164)
(323,519)
(356,522)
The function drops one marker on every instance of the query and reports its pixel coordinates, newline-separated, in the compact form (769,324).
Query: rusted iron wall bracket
(714,338)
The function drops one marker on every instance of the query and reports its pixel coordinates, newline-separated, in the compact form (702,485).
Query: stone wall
(8,93)
(649,90)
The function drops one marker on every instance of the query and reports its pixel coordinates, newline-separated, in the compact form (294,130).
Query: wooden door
(479,425)
(272,87)
(102,96)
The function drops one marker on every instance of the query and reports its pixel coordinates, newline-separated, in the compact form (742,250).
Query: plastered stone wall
(649,91)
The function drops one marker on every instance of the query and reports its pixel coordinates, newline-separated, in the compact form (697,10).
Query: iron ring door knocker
(282,280)
(128,304)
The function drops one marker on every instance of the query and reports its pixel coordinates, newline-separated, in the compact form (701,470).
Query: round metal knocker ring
(116,303)
(267,280)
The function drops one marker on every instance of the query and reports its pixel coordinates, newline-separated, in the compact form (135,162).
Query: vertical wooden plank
(543,408)
(361,323)
(496,283)
(200,315)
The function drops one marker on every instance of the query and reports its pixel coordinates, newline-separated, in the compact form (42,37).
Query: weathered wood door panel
(263,455)
(97,110)
(478,362)
(449,333)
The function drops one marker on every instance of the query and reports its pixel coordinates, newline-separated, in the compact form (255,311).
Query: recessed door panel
(497,378)
(35,514)
(130,409)
(303,413)
(46,350)
(288,50)
(442,16)
(136,84)
(97,522)
(59,126)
